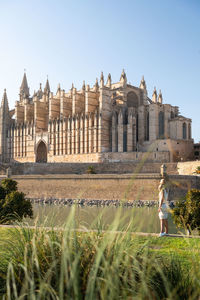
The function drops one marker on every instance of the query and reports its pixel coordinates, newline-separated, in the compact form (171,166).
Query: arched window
(172,115)
(125,140)
(189,131)
(132,100)
(184,131)
(161,125)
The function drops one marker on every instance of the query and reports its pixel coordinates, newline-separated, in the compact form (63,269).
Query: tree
(186,213)
(9,185)
(13,204)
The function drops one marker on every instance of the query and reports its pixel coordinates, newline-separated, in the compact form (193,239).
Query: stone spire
(160,98)
(24,89)
(4,123)
(143,84)
(154,96)
(40,93)
(109,80)
(96,85)
(4,102)
(83,86)
(47,88)
(123,78)
(102,80)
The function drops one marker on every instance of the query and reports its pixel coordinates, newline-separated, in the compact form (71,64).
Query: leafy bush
(9,185)
(186,213)
(91,170)
(13,205)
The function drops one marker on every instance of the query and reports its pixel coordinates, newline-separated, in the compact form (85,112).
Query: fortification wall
(103,187)
(155,156)
(82,168)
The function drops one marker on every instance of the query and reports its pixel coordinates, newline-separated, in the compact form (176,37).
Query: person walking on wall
(163,207)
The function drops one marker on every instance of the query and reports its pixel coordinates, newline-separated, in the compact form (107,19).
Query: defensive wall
(103,186)
(82,168)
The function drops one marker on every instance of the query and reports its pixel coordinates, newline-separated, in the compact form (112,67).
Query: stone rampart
(82,168)
(103,186)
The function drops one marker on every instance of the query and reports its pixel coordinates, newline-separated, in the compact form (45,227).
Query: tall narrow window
(189,131)
(184,131)
(147,127)
(125,140)
(161,125)
(137,129)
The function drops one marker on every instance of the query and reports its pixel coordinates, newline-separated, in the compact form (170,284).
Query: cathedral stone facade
(105,122)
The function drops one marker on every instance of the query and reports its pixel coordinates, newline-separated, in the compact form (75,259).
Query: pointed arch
(41,152)
(132,100)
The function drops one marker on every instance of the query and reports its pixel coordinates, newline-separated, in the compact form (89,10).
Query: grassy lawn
(99,265)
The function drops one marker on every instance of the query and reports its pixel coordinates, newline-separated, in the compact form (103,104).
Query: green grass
(65,264)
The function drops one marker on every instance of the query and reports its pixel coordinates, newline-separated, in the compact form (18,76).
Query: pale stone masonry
(106,122)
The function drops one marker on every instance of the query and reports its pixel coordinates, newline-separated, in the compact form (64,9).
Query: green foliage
(186,213)
(80,265)
(9,185)
(91,170)
(13,205)
(2,193)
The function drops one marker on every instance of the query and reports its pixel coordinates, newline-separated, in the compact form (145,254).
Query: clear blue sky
(72,41)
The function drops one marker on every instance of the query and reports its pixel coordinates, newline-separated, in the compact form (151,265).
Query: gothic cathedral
(105,122)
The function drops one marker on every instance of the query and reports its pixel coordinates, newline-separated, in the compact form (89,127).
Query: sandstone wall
(82,168)
(105,187)
(187,168)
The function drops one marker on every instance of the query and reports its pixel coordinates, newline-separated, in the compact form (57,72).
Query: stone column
(91,133)
(99,133)
(134,134)
(82,134)
(61,137)
(130,131)
(141,125)
(153,122)
(77,137)
(69,136)
(120,131)
(86,125)
(114,132)
(73,135)
(57,137)
(95,140)
(53,137)
(64,135)
(19,140)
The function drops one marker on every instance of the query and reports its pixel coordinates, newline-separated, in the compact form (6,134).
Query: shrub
(13,205)
(2,193)
(9,185)
(186,213)
(91,170)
